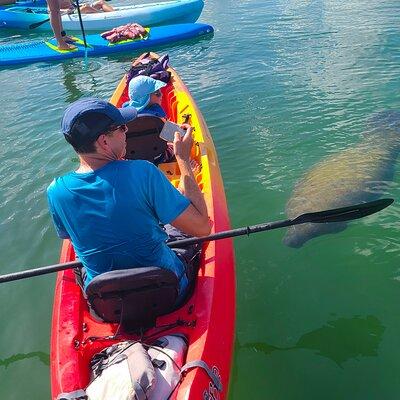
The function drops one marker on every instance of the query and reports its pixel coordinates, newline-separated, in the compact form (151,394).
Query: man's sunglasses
(114,128)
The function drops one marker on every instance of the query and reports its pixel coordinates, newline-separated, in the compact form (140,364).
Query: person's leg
(101,5)
(56,25)
(88,9)
(189,255)
(107,8)
(80,278)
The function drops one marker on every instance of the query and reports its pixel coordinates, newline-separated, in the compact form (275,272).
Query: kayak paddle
(334,215)
(319,217)
(78,8)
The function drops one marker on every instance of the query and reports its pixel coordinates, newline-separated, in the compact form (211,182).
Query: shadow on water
(43,358)
(340,340)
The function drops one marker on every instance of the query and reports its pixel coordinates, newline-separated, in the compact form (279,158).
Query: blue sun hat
(140,89)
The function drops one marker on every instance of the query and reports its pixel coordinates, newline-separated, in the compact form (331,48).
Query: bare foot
(62,45)
(69,39)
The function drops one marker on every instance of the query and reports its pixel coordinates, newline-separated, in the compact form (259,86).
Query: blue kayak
(27,3)
(36,51)
(148,14)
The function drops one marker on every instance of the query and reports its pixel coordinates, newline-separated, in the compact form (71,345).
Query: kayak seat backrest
(143,140)
(133,297)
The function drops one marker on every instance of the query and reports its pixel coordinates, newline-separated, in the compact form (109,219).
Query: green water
(282,85)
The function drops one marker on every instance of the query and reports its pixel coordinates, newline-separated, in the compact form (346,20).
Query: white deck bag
(126,371)
(122,372)
(167,355)
(135,371)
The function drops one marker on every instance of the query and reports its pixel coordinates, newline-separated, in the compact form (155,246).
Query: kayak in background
(36,51)
(207,317)
(152,14)
(26,3)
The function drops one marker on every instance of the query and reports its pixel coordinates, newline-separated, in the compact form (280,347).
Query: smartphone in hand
(168,131)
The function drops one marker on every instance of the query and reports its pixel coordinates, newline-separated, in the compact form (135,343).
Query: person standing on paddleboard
(54,7)
(120,213)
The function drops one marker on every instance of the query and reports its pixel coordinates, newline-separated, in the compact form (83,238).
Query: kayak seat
(143,140)
(133,297)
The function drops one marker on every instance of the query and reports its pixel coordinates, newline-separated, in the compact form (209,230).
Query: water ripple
(283,85)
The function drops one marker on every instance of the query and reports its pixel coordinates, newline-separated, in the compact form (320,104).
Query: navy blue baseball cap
(86,119)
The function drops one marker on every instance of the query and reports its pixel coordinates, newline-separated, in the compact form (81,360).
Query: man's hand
(183,146)
(194,220)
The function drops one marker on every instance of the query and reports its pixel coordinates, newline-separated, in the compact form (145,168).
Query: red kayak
(207,319)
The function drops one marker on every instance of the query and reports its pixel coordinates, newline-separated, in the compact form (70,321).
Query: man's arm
(194,220)
(57,221)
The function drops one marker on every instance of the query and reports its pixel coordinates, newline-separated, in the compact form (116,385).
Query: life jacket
(146,65)
(125,32)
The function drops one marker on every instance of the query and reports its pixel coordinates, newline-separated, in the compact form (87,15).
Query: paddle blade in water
(344,213)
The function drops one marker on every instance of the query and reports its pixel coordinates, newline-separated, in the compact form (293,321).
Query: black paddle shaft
(78,9)
(15,276)
(334,215)
(327,216)
(37,24)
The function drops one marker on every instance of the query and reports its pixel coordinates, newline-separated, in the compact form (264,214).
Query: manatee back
(384,123)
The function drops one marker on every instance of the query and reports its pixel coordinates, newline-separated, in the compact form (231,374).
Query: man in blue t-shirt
(113,209)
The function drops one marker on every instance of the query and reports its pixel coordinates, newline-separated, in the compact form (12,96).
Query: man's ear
(102,141)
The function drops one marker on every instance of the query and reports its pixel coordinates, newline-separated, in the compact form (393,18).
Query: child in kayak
(145,95)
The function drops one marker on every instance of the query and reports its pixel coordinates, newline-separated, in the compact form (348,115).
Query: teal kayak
(27,3)
(36,51)
(150,14)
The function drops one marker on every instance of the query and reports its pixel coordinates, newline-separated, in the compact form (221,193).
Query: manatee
(358,174)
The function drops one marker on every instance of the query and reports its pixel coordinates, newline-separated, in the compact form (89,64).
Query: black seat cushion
(143,140)
(133,297)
